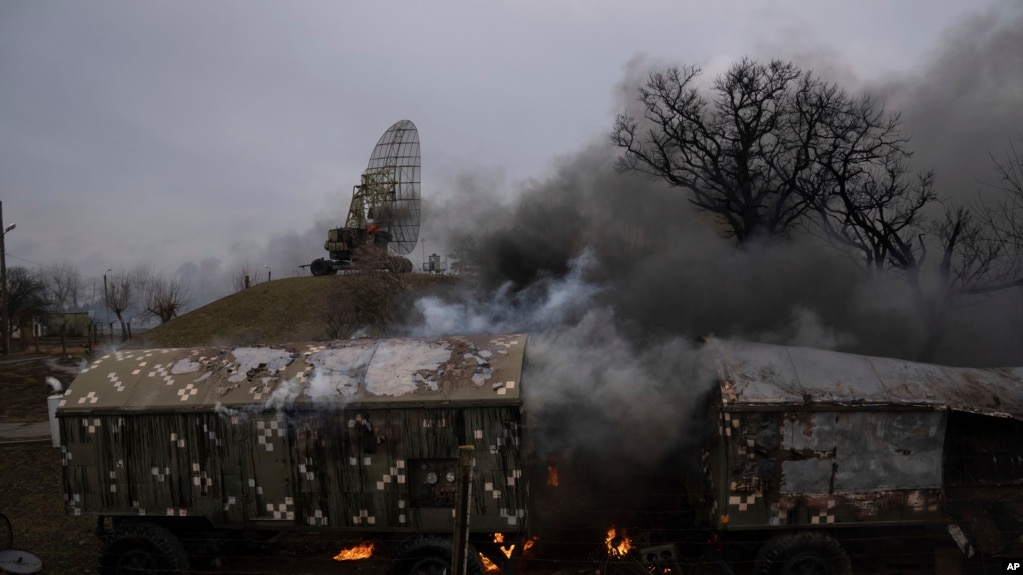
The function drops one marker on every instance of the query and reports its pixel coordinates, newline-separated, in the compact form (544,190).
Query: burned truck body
(355,435)
(800,454)
(809,440)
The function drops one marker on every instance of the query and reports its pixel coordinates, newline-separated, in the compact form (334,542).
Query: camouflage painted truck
(810,456)
(798,460)
(178,450)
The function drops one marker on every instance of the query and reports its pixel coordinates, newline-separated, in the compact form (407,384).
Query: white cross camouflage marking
(285,511)
(488,487)
(743,502)
(317,518)
(395,474)
(188,392)
(513,517)
(180,441)
(90,397)
(364,518)
(825,515)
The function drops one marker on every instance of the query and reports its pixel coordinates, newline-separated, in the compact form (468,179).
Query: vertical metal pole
(463,497)
(3,284)
(106,304)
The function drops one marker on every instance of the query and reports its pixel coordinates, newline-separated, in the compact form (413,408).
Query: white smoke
(589,387)
(546,304)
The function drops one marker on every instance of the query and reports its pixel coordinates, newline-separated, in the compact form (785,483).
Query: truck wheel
(321,267)
(430,556)
(804,553)
(142,548)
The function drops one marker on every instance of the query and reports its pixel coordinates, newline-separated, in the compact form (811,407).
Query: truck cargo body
(797,453)
(805,439)
(360,435)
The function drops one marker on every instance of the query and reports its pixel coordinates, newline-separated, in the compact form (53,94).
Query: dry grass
(284,310)
(32,498)
(24,387)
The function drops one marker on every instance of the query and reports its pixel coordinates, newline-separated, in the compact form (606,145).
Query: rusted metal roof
(757,374)
(472,369)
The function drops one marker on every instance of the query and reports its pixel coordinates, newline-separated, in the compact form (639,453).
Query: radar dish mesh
(397,155)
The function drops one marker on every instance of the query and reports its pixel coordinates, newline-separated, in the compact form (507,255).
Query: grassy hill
(293,309)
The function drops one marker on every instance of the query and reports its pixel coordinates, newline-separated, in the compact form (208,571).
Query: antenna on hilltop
(385,207)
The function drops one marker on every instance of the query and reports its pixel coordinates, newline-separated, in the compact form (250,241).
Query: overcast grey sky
(173,133)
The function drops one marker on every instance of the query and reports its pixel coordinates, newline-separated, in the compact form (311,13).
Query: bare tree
(64,284)
(366,297)
(776,147)
(243,276)
(26,297)
(120,296)
(878,213)
(746,154)
(1005,217)
(163,297)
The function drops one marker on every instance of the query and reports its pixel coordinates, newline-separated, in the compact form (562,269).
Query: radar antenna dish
(389,195)
(385,206)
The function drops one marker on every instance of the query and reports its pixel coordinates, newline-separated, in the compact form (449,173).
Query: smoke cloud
(615,276)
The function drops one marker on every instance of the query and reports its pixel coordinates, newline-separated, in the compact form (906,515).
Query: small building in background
(75,323)
(435,265)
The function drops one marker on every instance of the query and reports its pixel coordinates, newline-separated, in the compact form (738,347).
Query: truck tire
(803,553)
(142,548)
(321,267)
(430,556)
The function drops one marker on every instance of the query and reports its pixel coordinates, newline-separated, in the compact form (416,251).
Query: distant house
(75,323)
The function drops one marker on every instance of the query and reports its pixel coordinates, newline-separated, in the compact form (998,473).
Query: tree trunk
(935,335)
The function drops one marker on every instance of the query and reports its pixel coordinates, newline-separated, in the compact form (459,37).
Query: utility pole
(106,304)
(463,506)
(3,283)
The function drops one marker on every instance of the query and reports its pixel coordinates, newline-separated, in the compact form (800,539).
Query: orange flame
(506,549)
(361,551)
(488,565)
(618,545)
(552,475)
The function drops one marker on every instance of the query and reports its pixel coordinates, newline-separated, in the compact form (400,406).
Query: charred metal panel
(485,369)
(832,467)
(861,450)
(983,475)
(496,435)
(888,450)
(753,374)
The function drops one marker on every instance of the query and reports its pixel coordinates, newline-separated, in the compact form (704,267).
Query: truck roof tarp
(472,369)
(757,374)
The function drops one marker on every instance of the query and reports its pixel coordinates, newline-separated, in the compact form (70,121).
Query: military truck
(798,460)
(178,450)
(810,454)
